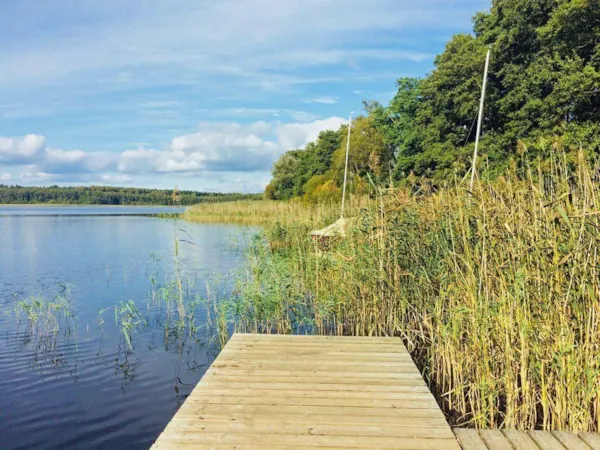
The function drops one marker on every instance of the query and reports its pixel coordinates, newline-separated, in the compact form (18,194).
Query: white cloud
(21,151)
(5,177)
(325,100)
(217,148)
(76,160)
(297,135)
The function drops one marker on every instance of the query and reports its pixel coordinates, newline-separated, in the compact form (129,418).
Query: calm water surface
(44,210)
(83,387)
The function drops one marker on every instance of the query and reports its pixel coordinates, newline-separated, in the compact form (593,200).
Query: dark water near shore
(82,387)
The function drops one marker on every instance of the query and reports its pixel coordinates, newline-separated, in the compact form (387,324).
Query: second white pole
(346,167)
(480,119)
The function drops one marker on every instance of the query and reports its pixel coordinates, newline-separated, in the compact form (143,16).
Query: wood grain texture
(272,391)
(495,440)
(520,440)
(571,441)
(471,439)
(591,439)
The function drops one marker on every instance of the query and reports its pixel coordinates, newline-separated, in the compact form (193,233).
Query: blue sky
(200,94)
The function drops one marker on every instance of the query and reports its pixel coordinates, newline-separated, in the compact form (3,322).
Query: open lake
(91,352)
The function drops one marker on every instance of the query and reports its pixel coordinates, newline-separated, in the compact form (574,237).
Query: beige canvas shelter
(336,229)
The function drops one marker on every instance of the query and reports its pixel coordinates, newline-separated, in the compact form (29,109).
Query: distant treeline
(108,195)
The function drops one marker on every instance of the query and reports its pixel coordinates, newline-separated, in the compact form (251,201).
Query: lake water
(69,378)
(42,210)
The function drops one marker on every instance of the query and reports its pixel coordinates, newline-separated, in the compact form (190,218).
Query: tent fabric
(337,228)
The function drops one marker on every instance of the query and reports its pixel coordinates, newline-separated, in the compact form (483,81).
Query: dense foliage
(295,168)
(543,96)
(108,195)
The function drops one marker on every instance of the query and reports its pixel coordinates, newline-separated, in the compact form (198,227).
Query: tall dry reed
(267,212)
(495,292)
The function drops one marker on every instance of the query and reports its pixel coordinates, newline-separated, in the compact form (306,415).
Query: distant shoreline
(88,205)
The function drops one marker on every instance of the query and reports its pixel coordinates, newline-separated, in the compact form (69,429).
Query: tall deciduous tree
(544,82)
(368,151)
(285,174)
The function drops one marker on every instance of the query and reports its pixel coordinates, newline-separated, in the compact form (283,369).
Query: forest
(543,97)
(109,195)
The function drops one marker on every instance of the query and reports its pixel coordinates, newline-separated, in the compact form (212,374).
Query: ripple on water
(86,389)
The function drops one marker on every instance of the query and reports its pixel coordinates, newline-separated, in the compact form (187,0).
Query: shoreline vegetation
(495,292)
(73,205)
(269,212)
(110,196)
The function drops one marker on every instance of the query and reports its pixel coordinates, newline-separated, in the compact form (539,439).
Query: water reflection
(107,326)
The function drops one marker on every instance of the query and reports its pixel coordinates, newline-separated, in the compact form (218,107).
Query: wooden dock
(299,392)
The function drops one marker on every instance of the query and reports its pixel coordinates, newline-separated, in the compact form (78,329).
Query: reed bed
(268,212)
(495,292)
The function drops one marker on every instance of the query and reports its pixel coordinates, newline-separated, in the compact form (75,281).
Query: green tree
(368,151)
(544,83)
(397,121)
(285,174)
(315,159)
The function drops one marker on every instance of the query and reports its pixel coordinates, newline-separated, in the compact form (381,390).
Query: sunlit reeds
(495,292)
(267,212)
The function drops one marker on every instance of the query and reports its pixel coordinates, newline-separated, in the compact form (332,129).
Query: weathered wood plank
(267,440)
(356,350)
(321,419)
(325,364)
(325,347)
(592,439)
(309,372)
(269,391)
(249,337)
(266,391)
(258,387)
(306,411)
(570,440)
(495,440)
(520,440)
(545,440)
(317,414)
(339,358)
(319,339)
(469,439)
(316,401)
(360,354)
(274,428)
(363,355)
(307,378)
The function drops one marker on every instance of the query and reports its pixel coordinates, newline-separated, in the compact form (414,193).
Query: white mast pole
(346,168)
(480,120)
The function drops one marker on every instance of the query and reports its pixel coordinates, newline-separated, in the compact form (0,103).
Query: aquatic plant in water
(46,318)
(128,318)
